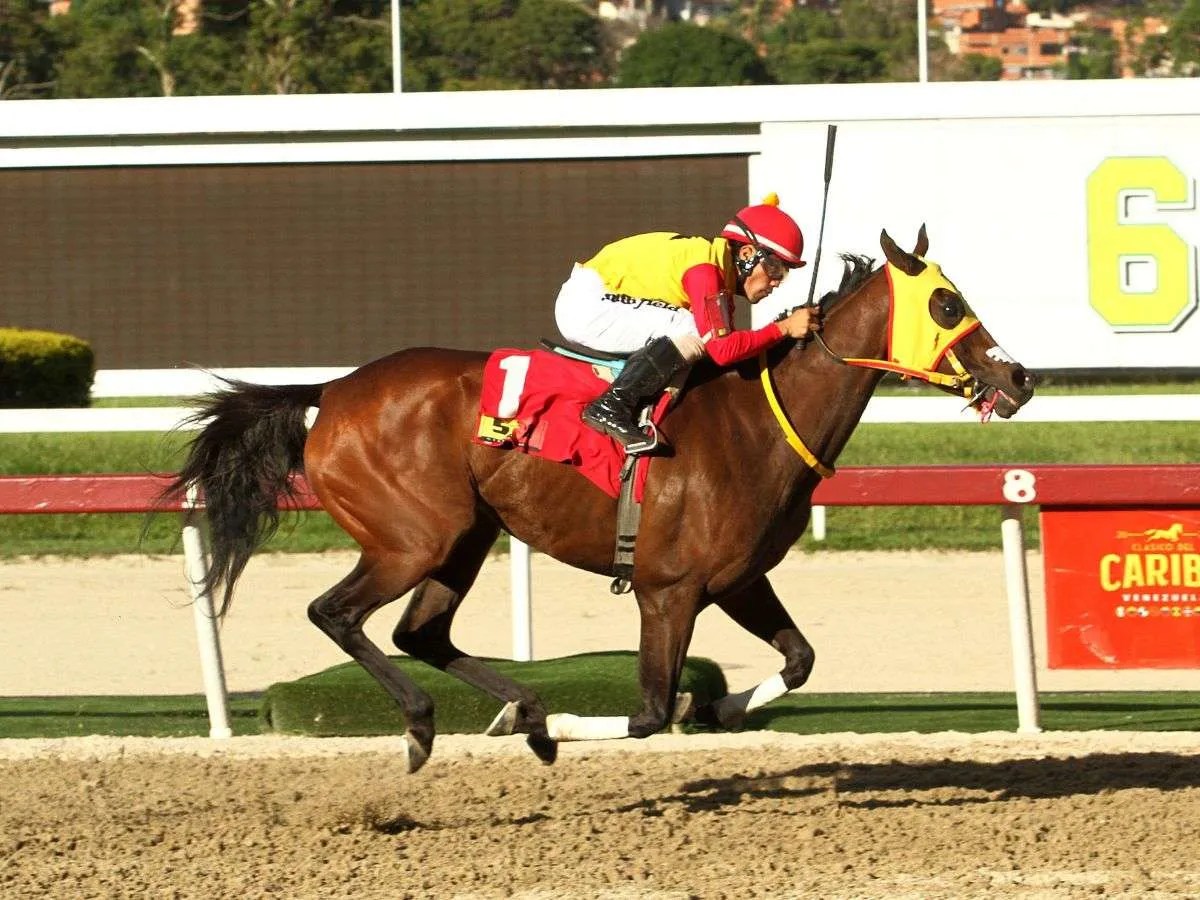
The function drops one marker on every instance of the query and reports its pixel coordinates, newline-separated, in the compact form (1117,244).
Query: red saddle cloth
(531,402)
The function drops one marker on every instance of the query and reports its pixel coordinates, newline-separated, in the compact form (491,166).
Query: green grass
(850,528)
(138,402)
(802,713)
(186,715)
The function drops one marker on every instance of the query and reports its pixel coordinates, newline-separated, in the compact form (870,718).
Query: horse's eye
(946,307)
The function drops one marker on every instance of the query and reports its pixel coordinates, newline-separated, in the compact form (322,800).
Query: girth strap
(629,517)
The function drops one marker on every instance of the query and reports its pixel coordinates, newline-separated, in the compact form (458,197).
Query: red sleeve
(739,345)
(704,281)
(699,283)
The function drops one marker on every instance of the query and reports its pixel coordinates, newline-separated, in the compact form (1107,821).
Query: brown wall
(326,264)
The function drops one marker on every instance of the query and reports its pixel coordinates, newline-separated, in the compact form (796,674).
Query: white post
(1019,629)
(397,75)
(522,613)
(818,523)
(196,566)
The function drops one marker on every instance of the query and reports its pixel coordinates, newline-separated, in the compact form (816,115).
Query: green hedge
(44,369)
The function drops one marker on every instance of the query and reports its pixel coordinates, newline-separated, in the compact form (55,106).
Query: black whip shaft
(830,137)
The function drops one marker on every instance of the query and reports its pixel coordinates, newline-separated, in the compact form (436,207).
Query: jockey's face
(765,277)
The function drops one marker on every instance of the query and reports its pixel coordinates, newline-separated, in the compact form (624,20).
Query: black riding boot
(647,372)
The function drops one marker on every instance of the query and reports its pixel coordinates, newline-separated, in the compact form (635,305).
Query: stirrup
(647,444)
(632,439)
(642,444)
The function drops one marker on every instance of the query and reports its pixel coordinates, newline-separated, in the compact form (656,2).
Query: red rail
(1037,485)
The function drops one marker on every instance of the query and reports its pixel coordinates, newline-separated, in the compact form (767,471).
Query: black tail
(242,459)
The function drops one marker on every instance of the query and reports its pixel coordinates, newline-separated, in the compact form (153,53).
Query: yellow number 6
(1141,277)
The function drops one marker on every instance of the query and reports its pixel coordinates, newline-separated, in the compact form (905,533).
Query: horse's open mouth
(989,400)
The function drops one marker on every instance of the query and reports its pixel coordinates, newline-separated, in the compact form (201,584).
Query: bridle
(910,328)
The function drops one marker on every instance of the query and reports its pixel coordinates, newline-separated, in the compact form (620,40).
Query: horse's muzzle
(1005,400)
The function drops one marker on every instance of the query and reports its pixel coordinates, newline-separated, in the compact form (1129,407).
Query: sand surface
(878,621)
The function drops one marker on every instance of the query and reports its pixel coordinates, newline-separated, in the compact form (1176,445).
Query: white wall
(1007,205)
(998,171)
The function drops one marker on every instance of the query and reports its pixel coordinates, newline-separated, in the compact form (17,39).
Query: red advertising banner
(1122,588)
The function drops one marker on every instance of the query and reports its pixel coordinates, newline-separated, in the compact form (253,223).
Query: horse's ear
(922,242)
(905,262)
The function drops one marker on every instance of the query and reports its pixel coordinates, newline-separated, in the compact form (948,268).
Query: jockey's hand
(801,322)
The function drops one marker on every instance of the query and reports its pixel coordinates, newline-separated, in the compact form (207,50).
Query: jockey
(666,299)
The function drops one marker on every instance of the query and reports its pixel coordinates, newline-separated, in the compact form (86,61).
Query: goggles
(774,267)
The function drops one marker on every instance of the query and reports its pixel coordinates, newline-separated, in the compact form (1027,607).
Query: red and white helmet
(770,228)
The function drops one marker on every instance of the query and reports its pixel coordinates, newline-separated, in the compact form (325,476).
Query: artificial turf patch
(346,701)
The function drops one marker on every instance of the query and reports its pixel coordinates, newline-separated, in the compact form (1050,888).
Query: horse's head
(933,335)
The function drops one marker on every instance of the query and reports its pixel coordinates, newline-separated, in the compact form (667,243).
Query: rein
(961,381)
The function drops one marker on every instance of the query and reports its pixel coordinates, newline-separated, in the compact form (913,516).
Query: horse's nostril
(1024,379)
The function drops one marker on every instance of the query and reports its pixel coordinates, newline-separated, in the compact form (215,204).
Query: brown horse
(390,457)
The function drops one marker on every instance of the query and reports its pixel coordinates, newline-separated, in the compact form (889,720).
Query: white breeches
(586,313)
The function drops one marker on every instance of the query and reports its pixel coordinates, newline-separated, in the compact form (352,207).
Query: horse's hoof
(684,708)
(706,716)
(505,722)
(544,747)
(729,715)
(418,752)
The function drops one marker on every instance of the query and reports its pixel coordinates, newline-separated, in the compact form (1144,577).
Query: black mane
(858,268)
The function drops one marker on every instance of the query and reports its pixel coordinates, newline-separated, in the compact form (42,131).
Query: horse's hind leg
(424,633)
(757,609)
(341,611)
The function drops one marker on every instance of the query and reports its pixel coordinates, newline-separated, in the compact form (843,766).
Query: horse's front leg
(667,619)
(757,609)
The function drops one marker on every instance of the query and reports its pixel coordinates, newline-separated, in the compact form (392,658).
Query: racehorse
(390,457)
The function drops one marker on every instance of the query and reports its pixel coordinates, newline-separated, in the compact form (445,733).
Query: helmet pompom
(772,199)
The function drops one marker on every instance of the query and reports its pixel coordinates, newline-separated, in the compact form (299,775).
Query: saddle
(531,401)
(613,362)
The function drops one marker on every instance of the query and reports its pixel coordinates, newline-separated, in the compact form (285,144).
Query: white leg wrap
(735,706)
(568,727)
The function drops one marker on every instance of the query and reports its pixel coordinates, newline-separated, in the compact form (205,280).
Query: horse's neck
(824,398)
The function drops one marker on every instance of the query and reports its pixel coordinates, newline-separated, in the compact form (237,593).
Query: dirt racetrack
(945,816)
(742,815)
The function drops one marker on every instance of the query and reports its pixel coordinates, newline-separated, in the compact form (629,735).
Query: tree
(127,48)
(680,54)
(317,46)
(800,25)
(862,40)
(496,44)
(829,62)
(973,67)
(1094,55)
(1183,40)
(27,51)
(551,44)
